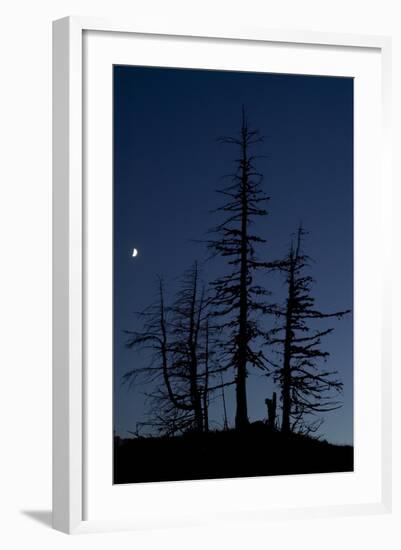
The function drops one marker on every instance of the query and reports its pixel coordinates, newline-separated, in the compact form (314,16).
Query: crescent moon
(134,252)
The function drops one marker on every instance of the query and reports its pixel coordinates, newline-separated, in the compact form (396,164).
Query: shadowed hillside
(258,451)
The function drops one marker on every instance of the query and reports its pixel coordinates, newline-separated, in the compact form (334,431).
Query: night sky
(167,165)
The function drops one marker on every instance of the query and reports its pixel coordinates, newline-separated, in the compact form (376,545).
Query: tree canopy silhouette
(237,299)
(181,369)
(306,388)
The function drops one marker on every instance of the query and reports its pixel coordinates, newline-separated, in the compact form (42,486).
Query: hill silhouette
(257,451)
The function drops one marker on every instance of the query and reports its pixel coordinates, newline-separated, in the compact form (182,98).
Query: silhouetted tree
(206,378)
(188,354)
(193,340)
(237,298)
(306,388)
(181,366)
(172,409)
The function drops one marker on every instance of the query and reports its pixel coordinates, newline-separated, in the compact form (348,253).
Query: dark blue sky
(167,165)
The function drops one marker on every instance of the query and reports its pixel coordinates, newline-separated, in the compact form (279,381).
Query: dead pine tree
(307,389)
(188,354)
(192,346)
(205,391)
(171,405)
(237,300)
(179,369)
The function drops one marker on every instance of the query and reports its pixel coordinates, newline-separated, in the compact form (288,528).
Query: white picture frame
(70,414)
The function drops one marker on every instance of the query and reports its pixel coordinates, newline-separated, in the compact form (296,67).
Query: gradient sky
(167,166)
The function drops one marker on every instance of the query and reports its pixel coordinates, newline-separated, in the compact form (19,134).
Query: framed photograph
(220,250)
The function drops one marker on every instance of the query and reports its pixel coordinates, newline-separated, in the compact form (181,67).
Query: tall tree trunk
(163,350)
(286,387)
(241,417)
(206,385)
(193,359)
(285,424)
(223,397)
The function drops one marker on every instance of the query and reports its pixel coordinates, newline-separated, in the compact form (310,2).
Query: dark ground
(226,454)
